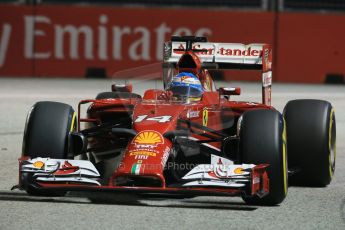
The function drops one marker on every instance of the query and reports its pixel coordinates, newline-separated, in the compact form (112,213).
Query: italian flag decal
(136,169)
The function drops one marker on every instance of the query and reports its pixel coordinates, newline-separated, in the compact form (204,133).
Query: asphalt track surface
(304,208)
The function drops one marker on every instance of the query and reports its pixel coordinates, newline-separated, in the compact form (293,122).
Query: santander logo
(223,49)
(239,52)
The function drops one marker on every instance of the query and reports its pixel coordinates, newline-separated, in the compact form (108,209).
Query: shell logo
(238,170)
(148,138)
(38,164)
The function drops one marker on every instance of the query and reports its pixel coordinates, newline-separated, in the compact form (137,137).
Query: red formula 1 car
(189,139)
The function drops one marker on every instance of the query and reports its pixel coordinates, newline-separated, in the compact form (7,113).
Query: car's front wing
(203,180)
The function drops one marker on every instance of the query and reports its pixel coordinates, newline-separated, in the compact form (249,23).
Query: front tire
(46,133)
(263,141)
(311,131)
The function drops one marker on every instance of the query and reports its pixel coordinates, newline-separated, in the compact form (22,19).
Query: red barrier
(66,40)
(310,46)
(12,42)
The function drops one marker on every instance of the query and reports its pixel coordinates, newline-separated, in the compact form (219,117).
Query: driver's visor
(186,91)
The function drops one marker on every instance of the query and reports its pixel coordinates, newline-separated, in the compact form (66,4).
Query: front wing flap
(61,171)
(250,178)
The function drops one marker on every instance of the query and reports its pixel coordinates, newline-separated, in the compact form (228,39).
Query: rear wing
(225,56)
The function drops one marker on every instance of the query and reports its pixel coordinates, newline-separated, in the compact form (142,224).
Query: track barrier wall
(69,41)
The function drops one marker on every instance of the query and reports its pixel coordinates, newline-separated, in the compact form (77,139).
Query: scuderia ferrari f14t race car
(186,139)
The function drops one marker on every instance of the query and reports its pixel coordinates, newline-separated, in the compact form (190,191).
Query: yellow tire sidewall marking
(72,128)
(284,158)
(330,144)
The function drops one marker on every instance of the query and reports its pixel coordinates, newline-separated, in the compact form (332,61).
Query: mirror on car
(227,91)
(121,87)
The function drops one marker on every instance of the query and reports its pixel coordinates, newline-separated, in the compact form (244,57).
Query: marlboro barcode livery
(189,138)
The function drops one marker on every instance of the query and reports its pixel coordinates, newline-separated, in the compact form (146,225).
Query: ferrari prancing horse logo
(204,117)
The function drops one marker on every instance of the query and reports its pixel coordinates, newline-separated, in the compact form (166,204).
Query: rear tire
(46,133)
(311,131)
(262,141)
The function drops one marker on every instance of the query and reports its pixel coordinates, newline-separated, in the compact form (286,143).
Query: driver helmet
(186,86)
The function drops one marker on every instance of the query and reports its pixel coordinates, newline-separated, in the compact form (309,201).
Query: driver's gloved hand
(167,95)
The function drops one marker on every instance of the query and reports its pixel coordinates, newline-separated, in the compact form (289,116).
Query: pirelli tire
(311,132)
(113,95)
(46,132)
(263,141)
